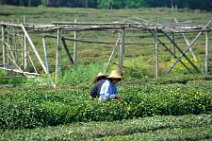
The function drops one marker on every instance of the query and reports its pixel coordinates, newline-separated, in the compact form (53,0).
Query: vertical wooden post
(206,52)
(173,47)
(57,67)
(156,52)
(75,46)
(25,51)
(45,54)
(15,45)
(122,50)
(3,46)
(47,61)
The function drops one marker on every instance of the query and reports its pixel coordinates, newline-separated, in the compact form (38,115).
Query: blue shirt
(95,92)
(108,90)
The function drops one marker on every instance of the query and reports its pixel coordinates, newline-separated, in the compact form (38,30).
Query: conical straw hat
(99,75)
(115,74)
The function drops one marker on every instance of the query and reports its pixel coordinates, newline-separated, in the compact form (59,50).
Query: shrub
(38,107)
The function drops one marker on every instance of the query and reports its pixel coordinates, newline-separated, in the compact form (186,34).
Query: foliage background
(114,4)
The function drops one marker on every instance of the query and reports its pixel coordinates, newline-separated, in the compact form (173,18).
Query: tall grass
(81,74)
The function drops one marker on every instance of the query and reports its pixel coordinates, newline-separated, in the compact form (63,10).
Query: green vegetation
(187,127)
(45,107)
(177,106)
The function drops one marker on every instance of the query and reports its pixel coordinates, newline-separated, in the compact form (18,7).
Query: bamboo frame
(172,53)
(142,25)
(183,52)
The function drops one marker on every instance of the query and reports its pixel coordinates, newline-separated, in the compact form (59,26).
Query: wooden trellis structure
(11,61)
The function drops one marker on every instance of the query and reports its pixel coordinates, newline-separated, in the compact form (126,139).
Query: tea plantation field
(151,110)
(173,107)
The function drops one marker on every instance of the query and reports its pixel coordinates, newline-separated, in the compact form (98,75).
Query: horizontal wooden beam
(19,71)
(132,25)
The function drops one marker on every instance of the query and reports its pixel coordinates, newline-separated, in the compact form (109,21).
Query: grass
(47,15)
(139,55)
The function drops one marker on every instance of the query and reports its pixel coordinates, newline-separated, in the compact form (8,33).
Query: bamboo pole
(14,42)
(15,47)
(19,71)
(114,48)
(34,49)
(206,52)
(45,54)
(3,46)
(122,50)
(8,41)
(57,67)
(173,47)
(67,51)
(47,62)
(156,53)
(25,52)
(75,46)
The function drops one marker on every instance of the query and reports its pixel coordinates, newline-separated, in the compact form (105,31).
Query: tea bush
(44,107)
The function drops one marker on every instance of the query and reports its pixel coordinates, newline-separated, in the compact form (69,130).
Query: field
(177,106)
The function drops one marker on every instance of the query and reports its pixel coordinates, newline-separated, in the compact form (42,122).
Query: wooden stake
(47,62)
(122,50)
(173,47)
(45,54)
(206,52)
(14,42)
(57,67)
(3,46)
(156,53)
(34,49)
(75,46)
(25,51)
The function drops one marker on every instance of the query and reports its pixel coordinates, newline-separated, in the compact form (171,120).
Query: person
(109,90)
(98,81)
